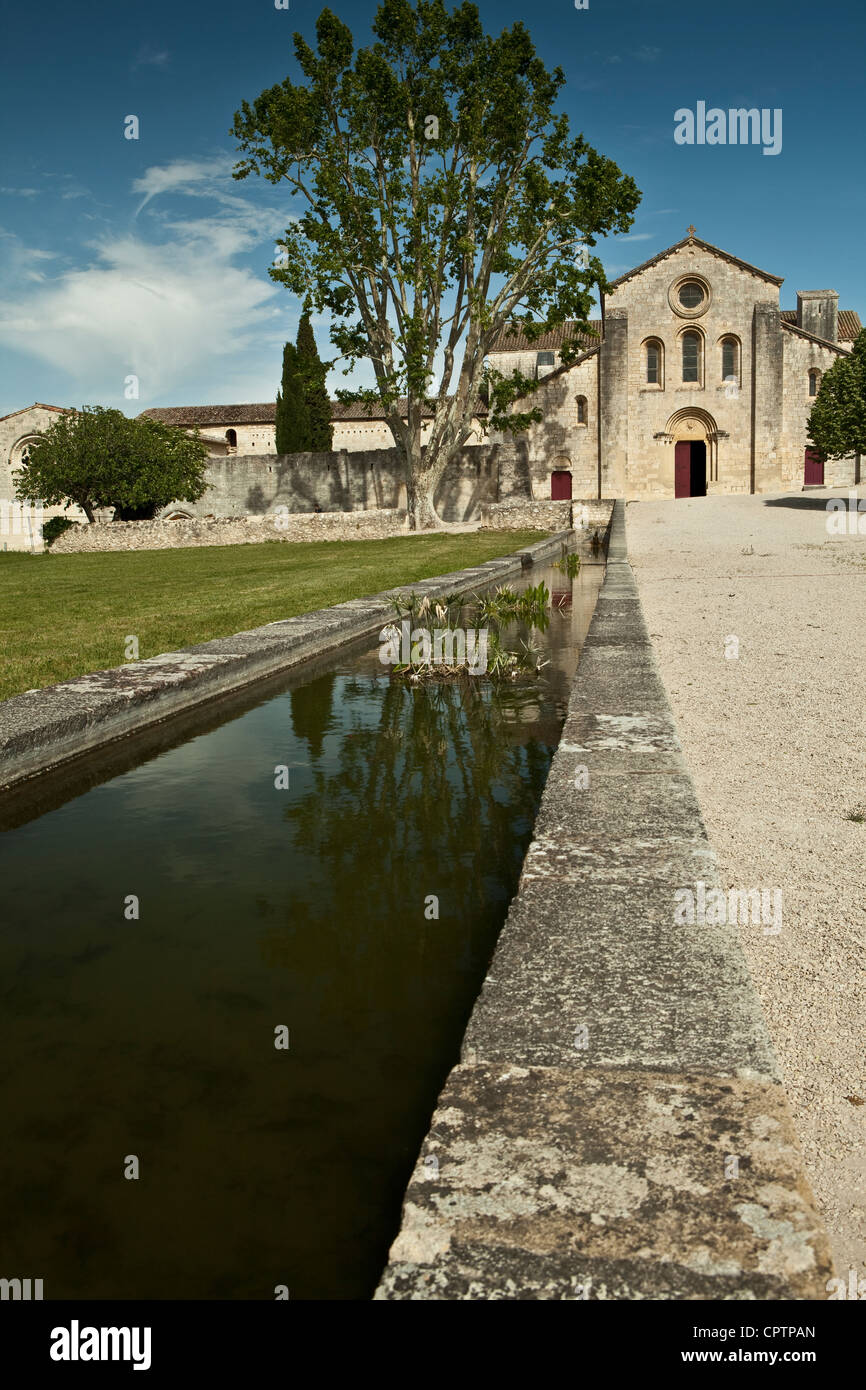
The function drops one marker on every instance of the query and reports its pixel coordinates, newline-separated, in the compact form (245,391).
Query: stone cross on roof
(691,231)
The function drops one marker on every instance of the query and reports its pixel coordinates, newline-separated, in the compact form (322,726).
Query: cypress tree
(313,372)
(292,417)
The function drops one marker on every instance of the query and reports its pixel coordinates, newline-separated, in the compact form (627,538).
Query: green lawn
(64,615)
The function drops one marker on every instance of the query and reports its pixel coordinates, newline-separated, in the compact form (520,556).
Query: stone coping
(616,1127)
(43,728)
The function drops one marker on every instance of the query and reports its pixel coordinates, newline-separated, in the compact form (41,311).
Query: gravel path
(775,742)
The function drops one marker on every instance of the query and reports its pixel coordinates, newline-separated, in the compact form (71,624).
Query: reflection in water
(308,908)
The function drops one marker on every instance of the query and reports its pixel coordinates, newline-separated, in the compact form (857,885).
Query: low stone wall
(242,530)
(526,516)
(617,1128)
(519,514)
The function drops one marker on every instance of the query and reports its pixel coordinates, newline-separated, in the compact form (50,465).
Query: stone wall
(243,530)
(586,515)
(526,516)
(801,356)
(560,440)
(351,436)
(257,484)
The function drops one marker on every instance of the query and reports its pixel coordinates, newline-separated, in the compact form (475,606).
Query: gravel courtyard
(775,741)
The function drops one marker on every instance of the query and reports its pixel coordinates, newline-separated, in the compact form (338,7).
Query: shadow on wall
(254,485)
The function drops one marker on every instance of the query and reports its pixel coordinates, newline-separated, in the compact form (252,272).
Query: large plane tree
(438,196)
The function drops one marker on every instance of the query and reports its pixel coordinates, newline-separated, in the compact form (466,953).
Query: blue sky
(145,257)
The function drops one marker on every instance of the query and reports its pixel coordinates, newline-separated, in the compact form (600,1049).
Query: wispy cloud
(637,236)
(150,57)
(180,309)
(647,54)
(20,192)
(191,176)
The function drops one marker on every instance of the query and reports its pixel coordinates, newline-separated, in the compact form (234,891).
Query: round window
(691,295)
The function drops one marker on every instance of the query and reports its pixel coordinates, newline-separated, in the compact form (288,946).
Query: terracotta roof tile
(511,338)
(849,323)
(261,413)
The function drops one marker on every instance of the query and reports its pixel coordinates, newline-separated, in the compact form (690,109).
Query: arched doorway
(690,468)
(695,463)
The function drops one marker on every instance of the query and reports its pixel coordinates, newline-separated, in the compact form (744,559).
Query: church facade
(694,381)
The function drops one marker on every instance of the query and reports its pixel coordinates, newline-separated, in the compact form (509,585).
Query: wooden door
(813,469)
(560,486)
(683,469)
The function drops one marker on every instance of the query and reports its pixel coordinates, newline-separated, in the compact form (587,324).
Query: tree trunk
(419,502)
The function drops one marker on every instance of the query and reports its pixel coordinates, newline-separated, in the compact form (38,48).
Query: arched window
(653,363)
(730,360)
(814,381)
(692,357)
(581,410)
(232,438)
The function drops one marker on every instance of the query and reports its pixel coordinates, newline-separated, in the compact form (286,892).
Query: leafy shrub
(54,527)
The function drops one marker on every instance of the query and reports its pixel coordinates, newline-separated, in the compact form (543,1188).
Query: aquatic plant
(569,564)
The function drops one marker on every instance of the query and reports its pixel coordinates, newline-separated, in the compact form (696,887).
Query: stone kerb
(616,1127)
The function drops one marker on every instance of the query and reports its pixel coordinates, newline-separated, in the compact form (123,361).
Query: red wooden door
(683,469)
(813,470)
(560,486)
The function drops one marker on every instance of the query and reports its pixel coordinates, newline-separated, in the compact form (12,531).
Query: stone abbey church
(693,381)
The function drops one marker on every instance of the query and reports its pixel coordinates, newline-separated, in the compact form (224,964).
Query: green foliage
(292,416)
(54,527)
(101,458)
(569,564)
(837,423)
(443,197)
(421,606)
(505,606)
(312,372)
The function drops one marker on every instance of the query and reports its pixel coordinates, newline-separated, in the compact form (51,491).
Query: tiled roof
(204,415)
(511,339)
(849,323)
(813,337)
(705,246)
(263,413)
